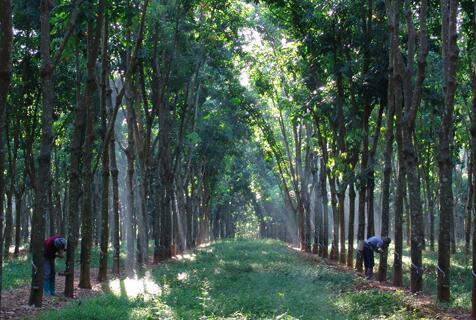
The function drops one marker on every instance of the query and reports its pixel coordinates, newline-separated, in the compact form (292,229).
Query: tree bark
(325,227)
(115,193)
(6,44)
(94,41)
(350,237)
(473,157)
(469,210)
(103,253)
(44,159)
(412,103)
(129,151)
(18,217)
(83,106)
(387,173)
(449,14)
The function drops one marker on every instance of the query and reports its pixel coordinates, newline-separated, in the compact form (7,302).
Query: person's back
(372,244)
(54,247)
(375,242)
(50,248)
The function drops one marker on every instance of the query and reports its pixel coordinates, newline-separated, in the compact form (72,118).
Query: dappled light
(237,159)
(133,287)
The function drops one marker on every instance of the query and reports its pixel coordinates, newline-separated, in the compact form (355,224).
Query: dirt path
(423,303)
(15,302)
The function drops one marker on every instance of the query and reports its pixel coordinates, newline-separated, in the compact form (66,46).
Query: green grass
(460,276)
(17,272)
(239,280)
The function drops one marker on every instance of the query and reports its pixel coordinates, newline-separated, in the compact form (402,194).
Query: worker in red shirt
(54,247)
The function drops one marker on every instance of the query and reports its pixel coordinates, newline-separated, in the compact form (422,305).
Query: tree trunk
(362,185)
(8,222)
(449,14)
(103,253)
(350,237)
(18,218)
(318,224)
(325,227)
(82,110)
(398,211)
(335,215)
(44,159)
(129,151)
(473,157)
(115,201)
(473,160)
(94,41)
(468,211)
(387,170)
(342,251)
(166,180)
(412,103)
(6,43)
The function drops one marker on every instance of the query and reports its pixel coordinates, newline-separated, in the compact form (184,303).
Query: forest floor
(15,302)
(422,303)
(242,279)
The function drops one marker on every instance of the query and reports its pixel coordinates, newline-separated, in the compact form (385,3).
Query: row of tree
(176,122)
(336,112)
(121,126)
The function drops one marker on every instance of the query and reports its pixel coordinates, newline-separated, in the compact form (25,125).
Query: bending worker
(372,244)
(54,248)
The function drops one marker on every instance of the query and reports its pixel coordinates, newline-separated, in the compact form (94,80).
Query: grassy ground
(17,272)
(239,280)
(460,277)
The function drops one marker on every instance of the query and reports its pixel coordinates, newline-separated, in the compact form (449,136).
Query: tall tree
(412,99)
(6,44)
(449,12)
(43,180)
(104,245)
(473,155)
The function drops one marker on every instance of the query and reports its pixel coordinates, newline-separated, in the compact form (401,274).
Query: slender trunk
(94,40)
(130,230)
(8,233)
(6,43)
(103,253)
(83,110)
(449,12)
(115,204)
(350,237)
(156,215)
(342,251)
(74,184)
(468,211)
(166,180)
(86,209)
(387,173)
(323,184)
(473,157)
(431,207)
(44,159)
(363,187)
(18,218)
(452,231)
(335,215)
(412,103)
(317,206)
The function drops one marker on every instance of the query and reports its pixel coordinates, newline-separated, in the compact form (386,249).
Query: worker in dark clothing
(54,248)
(372,244)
